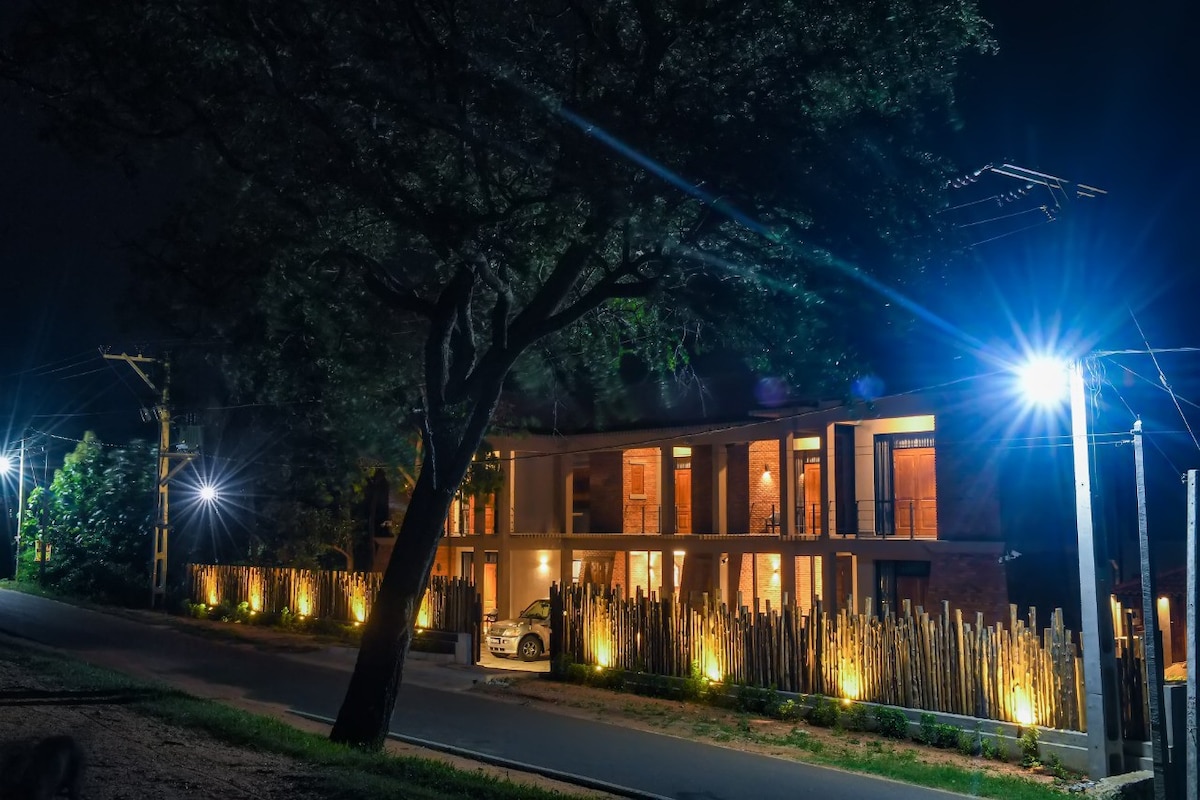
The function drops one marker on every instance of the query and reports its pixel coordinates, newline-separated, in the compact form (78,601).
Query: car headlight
(513,632)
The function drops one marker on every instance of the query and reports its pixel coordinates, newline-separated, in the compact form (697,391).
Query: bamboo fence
(449,603)
(912,659)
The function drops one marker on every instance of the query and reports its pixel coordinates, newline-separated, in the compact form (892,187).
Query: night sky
(1094,91)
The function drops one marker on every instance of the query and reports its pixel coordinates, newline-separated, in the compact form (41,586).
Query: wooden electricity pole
(162,413)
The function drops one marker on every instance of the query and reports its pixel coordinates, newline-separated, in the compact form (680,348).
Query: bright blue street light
(208,493)
(1043,381)
(6,465)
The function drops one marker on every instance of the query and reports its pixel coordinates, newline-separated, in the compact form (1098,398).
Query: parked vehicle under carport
(527,636)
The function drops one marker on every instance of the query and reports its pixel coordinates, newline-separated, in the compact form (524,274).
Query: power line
(1163,379)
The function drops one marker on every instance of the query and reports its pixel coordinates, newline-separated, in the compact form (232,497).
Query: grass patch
(341,772)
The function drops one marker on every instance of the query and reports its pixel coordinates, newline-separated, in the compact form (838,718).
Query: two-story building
(894,500)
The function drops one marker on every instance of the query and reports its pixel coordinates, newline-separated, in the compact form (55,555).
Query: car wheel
(530,648)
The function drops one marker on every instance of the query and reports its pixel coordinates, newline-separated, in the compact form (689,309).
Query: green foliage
(789,711)
(970,743)
(891,722)
(194,610)
(938,734)
(824,712)
(420,210)
(756,700)
(1029,746)
(96,515)
(855,717)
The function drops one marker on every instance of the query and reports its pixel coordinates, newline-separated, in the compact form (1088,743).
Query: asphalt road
(647,762)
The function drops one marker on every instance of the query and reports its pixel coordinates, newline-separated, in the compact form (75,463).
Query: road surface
(431,709)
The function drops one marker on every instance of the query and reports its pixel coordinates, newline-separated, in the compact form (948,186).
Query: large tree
(539,181)
(94,515)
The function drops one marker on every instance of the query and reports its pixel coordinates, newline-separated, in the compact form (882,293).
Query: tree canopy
(95,515)
(542,185)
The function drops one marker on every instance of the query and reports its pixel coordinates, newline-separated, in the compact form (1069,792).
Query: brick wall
(764,477)
(970,582)
(642,509)
(604,491)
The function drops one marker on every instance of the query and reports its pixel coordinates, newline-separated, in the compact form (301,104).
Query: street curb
(498,761)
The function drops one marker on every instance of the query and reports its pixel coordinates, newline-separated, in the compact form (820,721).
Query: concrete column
(666,562)
(733,577)
(787,578)
(787,488)
(830,602)
(566,472)
(720,479)
(666,490)
(504,510)
(566,557)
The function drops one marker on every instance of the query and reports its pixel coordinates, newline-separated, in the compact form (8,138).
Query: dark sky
(1094,91)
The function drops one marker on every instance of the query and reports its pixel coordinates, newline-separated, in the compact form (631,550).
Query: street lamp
(208,493)
(6,465)
(1045,382)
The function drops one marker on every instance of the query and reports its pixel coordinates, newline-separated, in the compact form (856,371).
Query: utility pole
(1191,741)
(20,506)
(162,413)
(1105,746)
(1150,634)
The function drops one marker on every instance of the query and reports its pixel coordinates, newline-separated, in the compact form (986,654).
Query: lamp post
(1105,746)
(1043,382)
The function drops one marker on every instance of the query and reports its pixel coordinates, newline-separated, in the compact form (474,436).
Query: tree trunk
(366,711)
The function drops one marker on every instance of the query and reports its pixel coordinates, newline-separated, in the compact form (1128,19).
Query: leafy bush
(1027,743)
(927,734)
(948,736)
(891,722)
(855,717)
(938,734)
(970,743)
(824,713)
(758,701)
(989,749)
(789,711)
(195,610)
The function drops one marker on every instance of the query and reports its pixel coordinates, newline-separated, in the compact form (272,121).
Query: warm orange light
(1023,707)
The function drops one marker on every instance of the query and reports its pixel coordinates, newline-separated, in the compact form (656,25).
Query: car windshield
(538,609)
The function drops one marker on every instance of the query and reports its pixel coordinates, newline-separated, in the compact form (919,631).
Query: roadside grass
(886,761)
(338,770)
(853,751)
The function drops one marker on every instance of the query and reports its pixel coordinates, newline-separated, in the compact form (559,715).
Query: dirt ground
(131,757)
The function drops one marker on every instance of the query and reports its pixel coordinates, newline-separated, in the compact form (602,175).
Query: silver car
(527,636)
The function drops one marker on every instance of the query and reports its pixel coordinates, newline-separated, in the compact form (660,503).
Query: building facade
(892,502)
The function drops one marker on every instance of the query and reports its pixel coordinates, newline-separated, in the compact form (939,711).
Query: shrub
(970,743)
(758,701)
(789,711)
(891,722)
(927,734)
(195,610)
(824,713)
(855,717)
(948,736)
(989,749)
(1027,743)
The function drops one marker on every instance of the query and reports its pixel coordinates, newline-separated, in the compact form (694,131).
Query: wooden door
(683,501)
(916,492)
(811,499)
